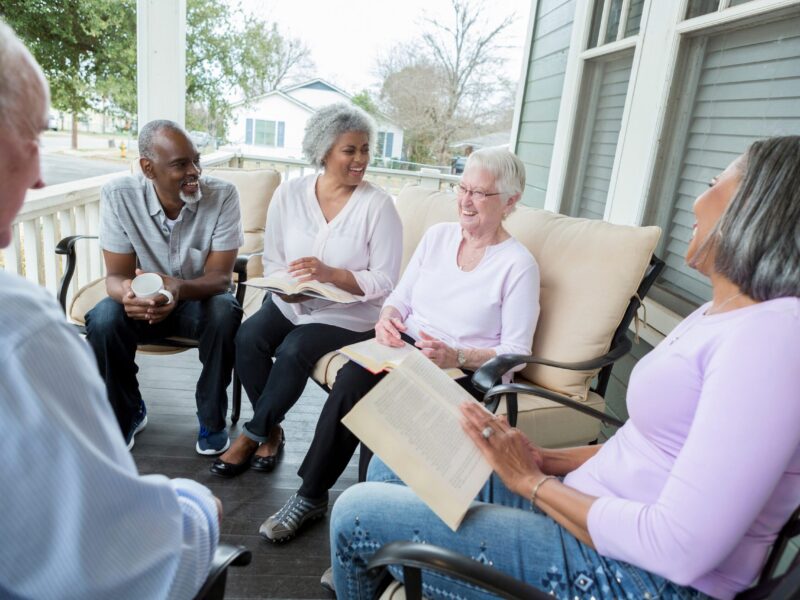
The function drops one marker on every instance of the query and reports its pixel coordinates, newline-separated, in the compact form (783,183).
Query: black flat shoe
(265,464)
(229,470)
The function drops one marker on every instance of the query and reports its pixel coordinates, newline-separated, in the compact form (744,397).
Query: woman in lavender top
(686,498)
(469,293)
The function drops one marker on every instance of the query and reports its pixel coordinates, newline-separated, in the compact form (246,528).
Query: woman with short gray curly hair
(332,227)
(328,123)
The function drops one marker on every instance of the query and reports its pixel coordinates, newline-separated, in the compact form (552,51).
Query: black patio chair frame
(225,556)
(487,377)
(415,556)
(66,247)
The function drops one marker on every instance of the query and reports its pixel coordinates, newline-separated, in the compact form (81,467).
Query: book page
(376,357)
(436,381)
(282,282)
(419,435)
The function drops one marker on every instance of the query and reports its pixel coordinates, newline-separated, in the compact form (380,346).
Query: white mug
(148,285)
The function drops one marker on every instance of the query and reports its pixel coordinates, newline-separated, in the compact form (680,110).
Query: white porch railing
(53,213)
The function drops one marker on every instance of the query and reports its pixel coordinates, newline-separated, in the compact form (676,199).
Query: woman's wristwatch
(461,358)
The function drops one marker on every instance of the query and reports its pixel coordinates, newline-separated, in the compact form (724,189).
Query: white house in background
(273,123)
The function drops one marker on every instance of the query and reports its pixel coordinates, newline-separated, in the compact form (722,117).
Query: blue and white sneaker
(212,443)
(139,423)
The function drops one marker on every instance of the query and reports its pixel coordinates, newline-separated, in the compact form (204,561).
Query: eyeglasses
(477,195)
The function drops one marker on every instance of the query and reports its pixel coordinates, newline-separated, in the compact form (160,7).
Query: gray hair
(20,78)
(328,123)
(508,170)
(148,133)
(757,239)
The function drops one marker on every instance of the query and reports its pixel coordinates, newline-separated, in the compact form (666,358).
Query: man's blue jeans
(213,322)
(500,530)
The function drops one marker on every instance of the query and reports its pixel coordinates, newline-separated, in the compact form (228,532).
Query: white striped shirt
(76,519)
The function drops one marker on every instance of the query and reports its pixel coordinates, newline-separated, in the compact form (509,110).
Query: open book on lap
(411,420)
(283,283)
(376,357)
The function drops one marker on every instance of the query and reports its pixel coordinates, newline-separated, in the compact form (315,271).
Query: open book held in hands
(283,283)
(375,357)
(411,420)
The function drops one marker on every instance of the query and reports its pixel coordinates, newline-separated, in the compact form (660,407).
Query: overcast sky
(346,36)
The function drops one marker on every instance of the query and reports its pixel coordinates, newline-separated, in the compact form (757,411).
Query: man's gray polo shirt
(133,221)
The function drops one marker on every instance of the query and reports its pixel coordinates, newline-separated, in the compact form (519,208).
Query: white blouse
(366,238)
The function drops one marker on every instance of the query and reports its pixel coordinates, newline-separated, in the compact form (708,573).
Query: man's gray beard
(191,198)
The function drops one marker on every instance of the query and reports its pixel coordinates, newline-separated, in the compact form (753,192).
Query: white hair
(508,170)
(21,81)
(328,123)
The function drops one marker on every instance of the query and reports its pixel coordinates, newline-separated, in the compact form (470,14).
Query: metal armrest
(488,375)
(225,556)
(66,247)
(415,556)
(527,388)
(240,268)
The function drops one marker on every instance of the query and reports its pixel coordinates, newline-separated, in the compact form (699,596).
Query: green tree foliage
(81,46)
(365,100)
(87,50)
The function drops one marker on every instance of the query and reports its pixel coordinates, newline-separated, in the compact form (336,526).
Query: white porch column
(161,60)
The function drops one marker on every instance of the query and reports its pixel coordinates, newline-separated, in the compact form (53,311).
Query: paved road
(58,168)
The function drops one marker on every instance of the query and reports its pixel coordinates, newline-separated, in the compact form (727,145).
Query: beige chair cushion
(589,271)
(553,425)
(255,187)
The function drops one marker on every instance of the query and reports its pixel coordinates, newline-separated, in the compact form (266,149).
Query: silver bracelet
(537,486)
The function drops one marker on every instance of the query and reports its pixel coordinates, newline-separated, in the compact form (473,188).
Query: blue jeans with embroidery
(499,530)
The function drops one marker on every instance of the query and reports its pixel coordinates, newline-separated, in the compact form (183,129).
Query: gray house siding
(542,96)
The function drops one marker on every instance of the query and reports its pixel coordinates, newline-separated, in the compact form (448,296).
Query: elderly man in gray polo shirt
(188,229)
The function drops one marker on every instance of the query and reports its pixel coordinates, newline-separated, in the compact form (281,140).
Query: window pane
(613,21)
(749,88)
(380,143)
(701,7)
(738,2)
(596,18)
(610,83)
(261,134)
(389,144)
(634,18)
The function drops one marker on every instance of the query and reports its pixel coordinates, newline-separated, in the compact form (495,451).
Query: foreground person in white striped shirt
(77,520)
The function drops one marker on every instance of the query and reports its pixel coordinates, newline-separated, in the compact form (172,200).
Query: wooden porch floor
(166,446)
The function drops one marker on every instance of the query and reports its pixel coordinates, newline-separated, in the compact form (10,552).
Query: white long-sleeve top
(495,306)
(366,238)
(77,520)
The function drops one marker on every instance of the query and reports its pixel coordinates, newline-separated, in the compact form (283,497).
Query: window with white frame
(735,82)
(604,90)
(259,132)
(384,145)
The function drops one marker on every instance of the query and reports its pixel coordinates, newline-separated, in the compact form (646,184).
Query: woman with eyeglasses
(469,293)
(684,501)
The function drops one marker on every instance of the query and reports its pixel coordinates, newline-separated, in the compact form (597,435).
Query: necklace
(714,310)
(709,311)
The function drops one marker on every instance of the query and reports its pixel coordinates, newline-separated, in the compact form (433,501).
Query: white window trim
(523,77)
(662,32)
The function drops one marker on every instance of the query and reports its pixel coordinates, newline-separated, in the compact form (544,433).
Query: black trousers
(114,337)
(273,388)
(334,444)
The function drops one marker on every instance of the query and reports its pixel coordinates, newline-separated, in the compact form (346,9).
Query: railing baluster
(49,242)
(95,254)
(30,244)
(82,269)
(11,252)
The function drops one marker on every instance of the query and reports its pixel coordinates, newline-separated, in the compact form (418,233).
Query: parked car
(201,139)
(52,123)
